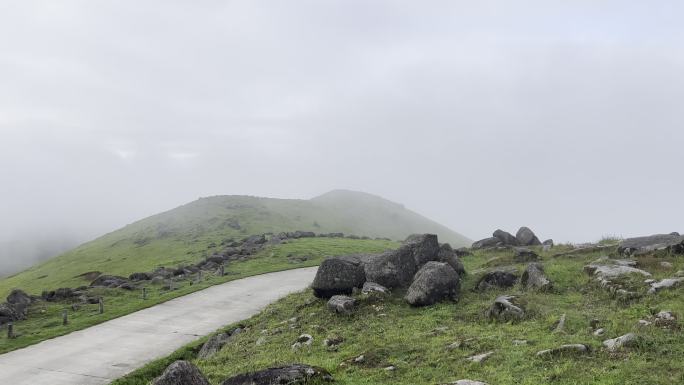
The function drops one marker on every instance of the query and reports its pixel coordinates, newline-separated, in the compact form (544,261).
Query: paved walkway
(102,353)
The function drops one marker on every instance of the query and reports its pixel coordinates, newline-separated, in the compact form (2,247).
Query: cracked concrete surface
(104,352)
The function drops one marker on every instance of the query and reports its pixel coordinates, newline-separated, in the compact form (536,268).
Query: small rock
(519,342)
(679,273)
(391,368)
(341,304)
(374,288)
(599,332)
(666,265)
(434,282)
(666,283)
(571,349)
(643,322)
(467,382)
(620,342)
(498,278)
(505,308)
(665,319)
(480,358)
(261,341)
(360,359)
(333,341)
(523,254)
(181,373)
(303,340)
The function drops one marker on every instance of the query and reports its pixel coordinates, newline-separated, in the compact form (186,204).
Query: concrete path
(104,352)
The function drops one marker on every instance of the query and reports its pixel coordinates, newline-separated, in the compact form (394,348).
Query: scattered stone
(617,269)
(447,255)
(390,368)
(339,275)
(505,308)
(498,278)
(666,283)
(341,304)
(533,278)
(181,373)
(434,282)
(559,326)
(333,341)
(302,341)
(466,382)
(564,350)
(480,358)
(506,238)
(644,245)
(620,342)
(599,332)
(360,359)
(665,319)
(296,374)
(260,341)
(526,237)
(666,265)
(649,281)
(374,288)
(216,343)
(487,242)
(519,342)
(523,254)
(643,322)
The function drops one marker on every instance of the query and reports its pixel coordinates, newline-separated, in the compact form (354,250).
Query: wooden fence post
(101,303)
(65,317)
(10,331)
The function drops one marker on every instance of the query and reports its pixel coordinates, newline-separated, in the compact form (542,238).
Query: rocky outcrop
(181,373)
(216,343)
(339,275)
(666,283)
(296,374)
(643,245)
(506,308)
(506,238)
(523,254)
(434,282)
(487,242)
(533,278)
(498,278)
(526,237)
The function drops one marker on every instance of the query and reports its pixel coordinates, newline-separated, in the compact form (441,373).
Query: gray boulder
(19,297)
(370,288)
(487,242)
(391,269)
(447,255)
(666,283)
(523,254)
(434,282)
(181,373)
(9,313)
(341,304)
(526,237)
(506,308)
(564,350)
(548,242)
(533,278)
(642,245)
(216,343)
(498,278)
(625,341)
(339,275)
(424,248)
(296,374)
(506,238)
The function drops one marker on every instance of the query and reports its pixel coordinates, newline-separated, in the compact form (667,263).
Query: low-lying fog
(562,116)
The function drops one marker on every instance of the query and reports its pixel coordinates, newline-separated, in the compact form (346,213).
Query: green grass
(388,332)
(45,318)
(189,233)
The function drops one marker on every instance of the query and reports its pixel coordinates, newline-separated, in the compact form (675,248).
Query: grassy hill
(431,345)
(189,233)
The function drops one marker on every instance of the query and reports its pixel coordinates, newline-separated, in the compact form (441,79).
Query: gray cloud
(563,116)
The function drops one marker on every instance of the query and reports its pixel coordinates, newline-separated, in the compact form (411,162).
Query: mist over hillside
(20,253)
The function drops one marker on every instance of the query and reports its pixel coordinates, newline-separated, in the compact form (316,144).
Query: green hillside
(191,232)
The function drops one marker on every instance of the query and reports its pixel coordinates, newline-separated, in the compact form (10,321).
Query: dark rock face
(523,254)
(526,237)
(506,238)
(391,269)
(181,373)
(339,275)
(135,277)
(505,308)
(216,343)
(61,294)
(434,282)
(487,242)
(341,304)
(9,313)
(497,279)
(425,247)
(18,297)
(533,278)
(643,245)
(447,255)
(296,374)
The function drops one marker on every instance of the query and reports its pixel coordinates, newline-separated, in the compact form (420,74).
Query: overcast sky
(563,116)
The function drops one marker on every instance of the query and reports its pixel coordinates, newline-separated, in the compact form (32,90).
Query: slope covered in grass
(415,341)
(189,233)
(45,318)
